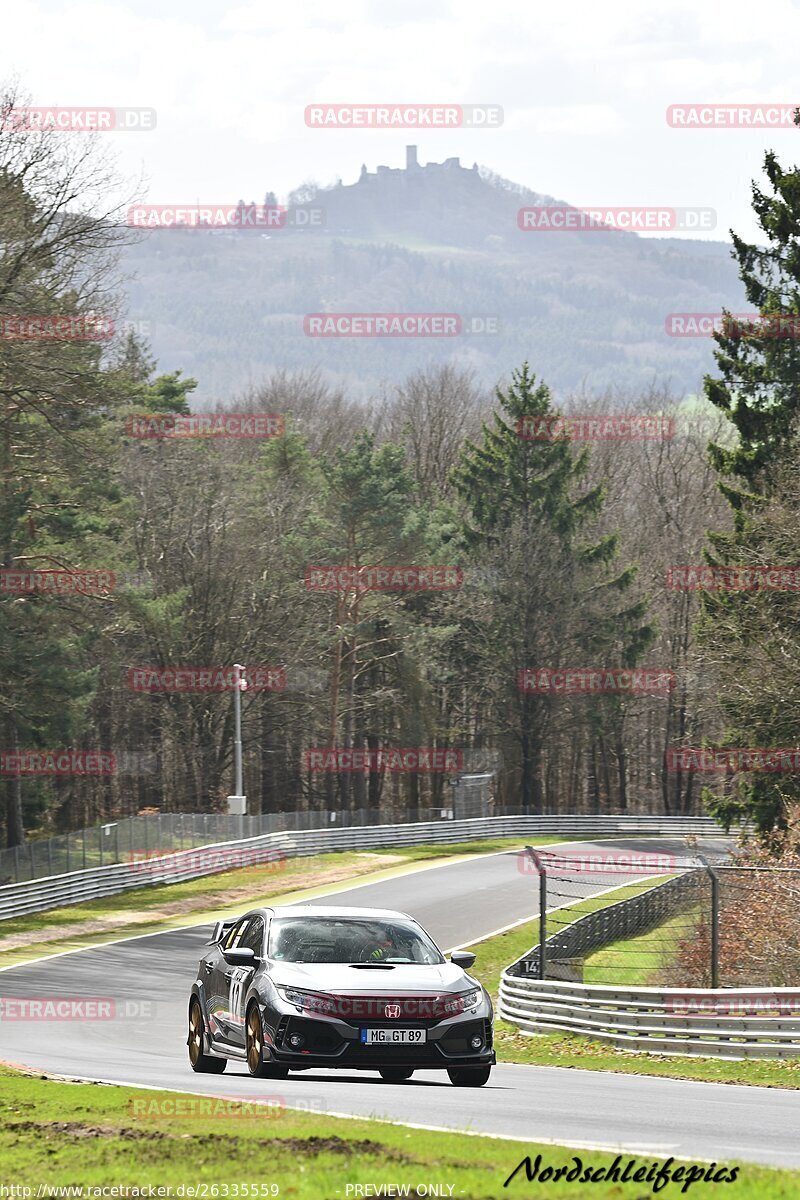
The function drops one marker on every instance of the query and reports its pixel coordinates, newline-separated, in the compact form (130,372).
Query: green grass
(69,1134)
(641,961)
(573,1051)
(167,906)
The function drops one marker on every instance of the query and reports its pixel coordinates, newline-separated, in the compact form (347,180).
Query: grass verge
(639,961)
(87,1135)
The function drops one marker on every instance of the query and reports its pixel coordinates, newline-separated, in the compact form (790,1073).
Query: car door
(219,986)
(209,976)
(251,937)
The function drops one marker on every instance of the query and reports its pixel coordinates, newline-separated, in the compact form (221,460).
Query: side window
(253,936)
(234,935)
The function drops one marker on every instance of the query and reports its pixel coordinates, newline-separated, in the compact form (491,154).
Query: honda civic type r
(285,989)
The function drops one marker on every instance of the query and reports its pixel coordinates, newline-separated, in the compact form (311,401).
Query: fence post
(714,877)
(542,911)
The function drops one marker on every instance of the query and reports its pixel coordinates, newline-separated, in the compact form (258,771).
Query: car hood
(342,979)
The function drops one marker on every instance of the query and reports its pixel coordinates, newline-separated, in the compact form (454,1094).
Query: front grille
(369,1009)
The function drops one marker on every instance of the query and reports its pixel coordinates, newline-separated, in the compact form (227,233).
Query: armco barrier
(724,1023)
(37,895)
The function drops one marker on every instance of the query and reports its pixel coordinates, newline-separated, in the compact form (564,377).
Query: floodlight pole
(238,801)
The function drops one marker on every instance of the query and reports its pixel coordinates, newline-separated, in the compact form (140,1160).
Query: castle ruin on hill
(412,168)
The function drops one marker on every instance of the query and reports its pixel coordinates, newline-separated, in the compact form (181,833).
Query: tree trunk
(15,831)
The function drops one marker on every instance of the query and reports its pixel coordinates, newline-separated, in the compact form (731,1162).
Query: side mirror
(243,957)
(462,958)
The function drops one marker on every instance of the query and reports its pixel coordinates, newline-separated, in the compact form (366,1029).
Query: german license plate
(392,1037)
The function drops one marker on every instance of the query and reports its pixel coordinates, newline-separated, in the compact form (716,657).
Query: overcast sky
(584,87)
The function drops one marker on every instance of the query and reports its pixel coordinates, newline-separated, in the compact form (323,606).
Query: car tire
(469,1076)
(254,1044)
(203,1064)
(396,1074)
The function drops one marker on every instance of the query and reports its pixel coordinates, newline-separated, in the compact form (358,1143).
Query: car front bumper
(334,1043)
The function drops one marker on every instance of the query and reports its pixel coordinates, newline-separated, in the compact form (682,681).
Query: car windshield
(350,940)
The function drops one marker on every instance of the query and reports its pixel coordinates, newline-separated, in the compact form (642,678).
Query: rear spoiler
(219,929)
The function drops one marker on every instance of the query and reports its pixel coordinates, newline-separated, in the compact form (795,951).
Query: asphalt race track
(149,979)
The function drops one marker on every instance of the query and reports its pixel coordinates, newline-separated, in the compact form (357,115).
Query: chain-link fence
(132,838)
(619,917)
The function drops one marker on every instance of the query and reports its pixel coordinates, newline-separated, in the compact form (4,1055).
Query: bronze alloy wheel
(255,1049)
(255,1041)
(204,1064)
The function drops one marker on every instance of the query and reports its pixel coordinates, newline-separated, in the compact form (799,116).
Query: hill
(586,308)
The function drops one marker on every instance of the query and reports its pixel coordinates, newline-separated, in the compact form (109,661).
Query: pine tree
(759,391)
(525,509)
(759,385)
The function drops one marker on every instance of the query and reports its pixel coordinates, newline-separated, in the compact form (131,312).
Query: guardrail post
(542,911)
(714,877)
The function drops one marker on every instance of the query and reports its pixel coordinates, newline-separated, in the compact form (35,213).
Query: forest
(414,589)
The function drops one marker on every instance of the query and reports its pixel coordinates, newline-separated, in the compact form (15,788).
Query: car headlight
(311,1001)
(461,1001)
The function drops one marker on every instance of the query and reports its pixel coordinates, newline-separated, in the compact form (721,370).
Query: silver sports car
(286,989)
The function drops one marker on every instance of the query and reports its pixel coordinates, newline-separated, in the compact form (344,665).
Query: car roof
(326,910)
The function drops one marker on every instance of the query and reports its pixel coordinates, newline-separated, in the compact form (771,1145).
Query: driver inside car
(379,946)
